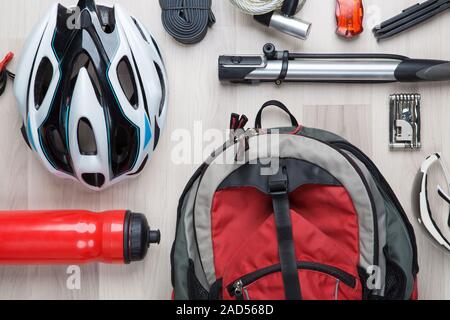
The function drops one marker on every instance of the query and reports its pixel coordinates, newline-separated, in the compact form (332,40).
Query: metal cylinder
(290,25)
(328,71)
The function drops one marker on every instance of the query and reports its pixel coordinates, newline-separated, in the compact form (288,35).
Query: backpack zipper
(238,288)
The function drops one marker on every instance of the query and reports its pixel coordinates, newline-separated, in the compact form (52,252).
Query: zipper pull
(238,289)
(234,121)
(242,122)
(237,124)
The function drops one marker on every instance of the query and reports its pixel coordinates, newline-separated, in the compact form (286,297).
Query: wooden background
(359,112)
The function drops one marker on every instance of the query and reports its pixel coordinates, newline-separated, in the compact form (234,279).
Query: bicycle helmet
(91,87)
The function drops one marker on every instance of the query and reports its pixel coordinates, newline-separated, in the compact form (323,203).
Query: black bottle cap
(138,237)
(154,236)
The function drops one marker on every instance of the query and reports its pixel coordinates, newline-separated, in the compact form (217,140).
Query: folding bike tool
(405,121)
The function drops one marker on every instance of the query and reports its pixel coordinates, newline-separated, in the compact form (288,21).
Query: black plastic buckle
(278,184)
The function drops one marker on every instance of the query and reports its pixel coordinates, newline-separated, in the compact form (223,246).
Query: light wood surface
(359,112)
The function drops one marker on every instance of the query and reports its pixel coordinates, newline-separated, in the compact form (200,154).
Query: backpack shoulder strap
(278,187)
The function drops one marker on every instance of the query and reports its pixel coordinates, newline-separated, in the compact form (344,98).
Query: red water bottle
(74,237)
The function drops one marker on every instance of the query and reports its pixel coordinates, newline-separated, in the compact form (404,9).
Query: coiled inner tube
(187,20)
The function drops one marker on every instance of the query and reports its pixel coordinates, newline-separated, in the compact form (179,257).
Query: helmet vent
(121,145)
(141,168)
(56,142)
(140,29)
(44,77)
(163,87)
(127,81)
(86,138)
(84,61)
(157,48)
(94,179)
(124,148)
(107,18)
(157,134)
(56,149)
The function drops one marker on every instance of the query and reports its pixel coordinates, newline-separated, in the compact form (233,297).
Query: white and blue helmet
(91,87)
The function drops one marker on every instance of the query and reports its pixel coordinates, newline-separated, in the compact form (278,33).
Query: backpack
(323,225)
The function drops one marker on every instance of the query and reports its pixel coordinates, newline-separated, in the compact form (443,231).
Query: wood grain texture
(360,112)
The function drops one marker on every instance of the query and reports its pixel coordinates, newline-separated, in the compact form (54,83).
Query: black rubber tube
(187,20)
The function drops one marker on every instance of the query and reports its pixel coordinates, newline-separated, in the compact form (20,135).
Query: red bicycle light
(349,17)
